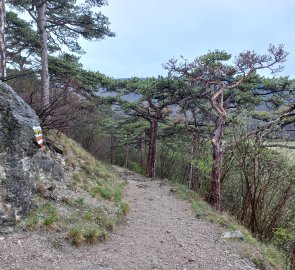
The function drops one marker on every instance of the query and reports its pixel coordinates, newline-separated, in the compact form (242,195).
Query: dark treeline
(199,125)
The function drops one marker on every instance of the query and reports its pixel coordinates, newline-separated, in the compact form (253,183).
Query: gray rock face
(20,159)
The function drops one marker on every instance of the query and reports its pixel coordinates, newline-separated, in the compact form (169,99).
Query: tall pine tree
(63,22)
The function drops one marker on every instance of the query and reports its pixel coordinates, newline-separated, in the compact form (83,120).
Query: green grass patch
(94,210)
(76,235)
(105,192)
(87,233)
(123,208)
(80,202)
(46,215)
(32,221)
(118,193)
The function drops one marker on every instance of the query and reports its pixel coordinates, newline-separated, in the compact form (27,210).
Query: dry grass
(90,205)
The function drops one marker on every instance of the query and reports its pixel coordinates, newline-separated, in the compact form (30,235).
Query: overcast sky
(150,32)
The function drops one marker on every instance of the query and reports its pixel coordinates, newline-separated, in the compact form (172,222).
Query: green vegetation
(199,126)
(89,233)
(92,210)
(80,234)
(80,202)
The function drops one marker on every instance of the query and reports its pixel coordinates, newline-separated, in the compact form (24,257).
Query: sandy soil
(159,232)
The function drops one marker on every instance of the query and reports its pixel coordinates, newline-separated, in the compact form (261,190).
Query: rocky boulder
(21,161)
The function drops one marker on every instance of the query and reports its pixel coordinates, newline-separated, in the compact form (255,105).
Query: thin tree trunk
(192,157)
(196,183)
(41,22)
(152,152)
(142,148)
(278,211)
(126,156)
(2,41)
(247,209)
(214,197)
(112,149)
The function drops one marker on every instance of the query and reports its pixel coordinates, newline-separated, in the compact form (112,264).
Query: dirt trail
(160,232)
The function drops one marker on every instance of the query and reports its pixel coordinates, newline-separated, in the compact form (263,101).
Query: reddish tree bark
(214,197)
(217,102)
(153,114)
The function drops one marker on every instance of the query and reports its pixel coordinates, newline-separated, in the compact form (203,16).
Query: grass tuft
(80,202)
(87,233)
(76,236)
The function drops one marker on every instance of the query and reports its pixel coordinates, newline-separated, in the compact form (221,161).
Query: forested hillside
(212,123)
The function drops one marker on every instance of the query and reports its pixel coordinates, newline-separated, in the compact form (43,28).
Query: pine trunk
(2,41)
(142,148)
(112,149)
(191,180)
(126,156)
(41,22)
(152,152)
(214,197)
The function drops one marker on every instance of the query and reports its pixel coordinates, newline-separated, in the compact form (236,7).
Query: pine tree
(63,22)
(219,83)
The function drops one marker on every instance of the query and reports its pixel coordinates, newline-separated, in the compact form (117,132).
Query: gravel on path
(159,232)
